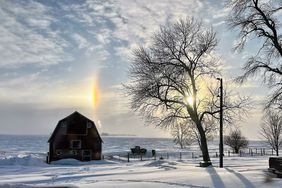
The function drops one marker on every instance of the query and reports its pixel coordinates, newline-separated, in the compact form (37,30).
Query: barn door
(87,155)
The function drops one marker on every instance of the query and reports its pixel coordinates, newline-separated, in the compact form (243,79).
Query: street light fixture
(221,125)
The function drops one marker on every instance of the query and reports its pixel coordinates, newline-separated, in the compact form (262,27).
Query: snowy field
(238,172)
(22,165)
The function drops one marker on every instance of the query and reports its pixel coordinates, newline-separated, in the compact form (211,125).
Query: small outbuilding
(75,137)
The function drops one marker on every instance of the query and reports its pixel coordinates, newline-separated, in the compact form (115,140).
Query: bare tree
(236,140)
(182,134)
(260,19)
(271,129)
(173,79)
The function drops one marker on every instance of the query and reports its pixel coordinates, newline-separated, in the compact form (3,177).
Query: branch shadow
(216,180)
(244,180)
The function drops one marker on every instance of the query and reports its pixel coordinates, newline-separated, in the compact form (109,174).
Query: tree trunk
(204,145)
(277,152)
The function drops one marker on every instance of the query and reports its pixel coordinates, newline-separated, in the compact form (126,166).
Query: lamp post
(221,125)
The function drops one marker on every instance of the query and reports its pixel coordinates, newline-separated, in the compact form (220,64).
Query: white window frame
(89,125)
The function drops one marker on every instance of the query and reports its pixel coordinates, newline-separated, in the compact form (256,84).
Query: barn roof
(71,115)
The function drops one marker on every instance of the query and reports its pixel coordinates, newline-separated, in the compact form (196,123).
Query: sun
(189,100)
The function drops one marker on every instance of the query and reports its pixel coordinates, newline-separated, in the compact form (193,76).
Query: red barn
(75,137)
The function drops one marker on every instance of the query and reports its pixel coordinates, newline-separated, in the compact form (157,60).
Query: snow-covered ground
(22,165)
(237,172)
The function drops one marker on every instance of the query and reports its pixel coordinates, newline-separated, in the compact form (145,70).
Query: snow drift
(22,160)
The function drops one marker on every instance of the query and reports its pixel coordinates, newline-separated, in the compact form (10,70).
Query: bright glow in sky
(62,56)
(189,100)
(94,97)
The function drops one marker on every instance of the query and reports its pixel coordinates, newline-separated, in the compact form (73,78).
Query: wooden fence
(189,154)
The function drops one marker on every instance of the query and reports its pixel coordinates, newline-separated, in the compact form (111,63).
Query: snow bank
(32,160)
(27,160)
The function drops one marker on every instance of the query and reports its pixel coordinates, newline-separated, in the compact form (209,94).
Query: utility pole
(221,125)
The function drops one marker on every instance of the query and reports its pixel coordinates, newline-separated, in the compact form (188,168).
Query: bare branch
(258,19)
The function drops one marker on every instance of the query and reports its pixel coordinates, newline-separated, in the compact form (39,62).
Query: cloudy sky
(55,54)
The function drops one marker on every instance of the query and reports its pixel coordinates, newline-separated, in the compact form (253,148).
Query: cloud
(218,23)
(28,36)
(123,24)
(39,33)
(80,41)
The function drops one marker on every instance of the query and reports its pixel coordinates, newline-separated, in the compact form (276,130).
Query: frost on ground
(26,171)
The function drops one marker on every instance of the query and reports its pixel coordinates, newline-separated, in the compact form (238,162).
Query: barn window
(76,144)
(89,124)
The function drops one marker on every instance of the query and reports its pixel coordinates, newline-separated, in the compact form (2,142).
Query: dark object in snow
(153,153)
(138,150)
(275,166)
(205,163)
(75,137)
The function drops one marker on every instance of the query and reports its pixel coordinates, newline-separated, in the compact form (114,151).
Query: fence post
(256,150)
(192,155)
(47,158)
(251,152)
(240,152)
(180,156)
(272,151)
(228,153)
(128,157)
(263,151)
